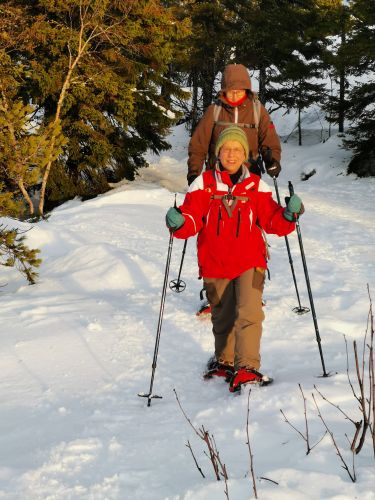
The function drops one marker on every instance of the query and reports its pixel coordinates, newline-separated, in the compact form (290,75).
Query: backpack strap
(256,107)
(256,103)
(243,125)
(229,201)
(217,109)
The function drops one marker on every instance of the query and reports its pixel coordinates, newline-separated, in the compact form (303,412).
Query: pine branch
(14,253)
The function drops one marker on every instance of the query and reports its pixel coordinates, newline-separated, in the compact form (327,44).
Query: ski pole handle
(291,193)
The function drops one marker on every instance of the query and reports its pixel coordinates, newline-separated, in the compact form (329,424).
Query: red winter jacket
(229,238)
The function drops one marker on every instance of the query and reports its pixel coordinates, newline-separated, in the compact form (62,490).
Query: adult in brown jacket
(236,106)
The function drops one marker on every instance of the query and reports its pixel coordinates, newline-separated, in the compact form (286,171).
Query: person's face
(231,156)
(235,95)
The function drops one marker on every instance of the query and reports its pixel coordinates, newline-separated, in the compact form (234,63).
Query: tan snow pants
(237,317)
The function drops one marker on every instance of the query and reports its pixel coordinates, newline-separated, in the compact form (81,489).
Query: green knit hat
(232,133)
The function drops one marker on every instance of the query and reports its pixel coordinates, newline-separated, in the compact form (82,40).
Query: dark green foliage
(14,253)
(122,96)
(9,205)
(100,85)
(268,34)
(362,133)
(335,62)
(360,52)
(205,52)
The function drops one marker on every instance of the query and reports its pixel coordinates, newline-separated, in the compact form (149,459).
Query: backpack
(255,164)
(256,102)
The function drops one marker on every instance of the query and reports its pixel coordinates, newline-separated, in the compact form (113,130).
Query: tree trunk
(342,79)
(208,82)
(81,50)
(13,140)
(194,110)
(299,128)
(51,148)
(82,46)
(25,194)
(262,84)
(341,117)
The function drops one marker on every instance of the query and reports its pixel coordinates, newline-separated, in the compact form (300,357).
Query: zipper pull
(238,222)
(218,222)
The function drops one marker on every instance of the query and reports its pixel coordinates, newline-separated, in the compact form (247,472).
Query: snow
(77,348)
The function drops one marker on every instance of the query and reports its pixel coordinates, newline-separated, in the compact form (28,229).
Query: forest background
(88,86)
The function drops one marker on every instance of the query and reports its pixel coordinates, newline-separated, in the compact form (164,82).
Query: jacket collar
(223,177)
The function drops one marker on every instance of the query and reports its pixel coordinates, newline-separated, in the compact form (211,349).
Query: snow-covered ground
(77,347)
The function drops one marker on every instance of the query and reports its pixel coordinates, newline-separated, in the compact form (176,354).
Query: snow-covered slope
(76,348)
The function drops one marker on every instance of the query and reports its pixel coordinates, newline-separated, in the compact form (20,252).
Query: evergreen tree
(297,88)
(14,253)
(360,52)
(93,71)
(337,19)
(284,41)
(205,52)
(268,31)
(22,148)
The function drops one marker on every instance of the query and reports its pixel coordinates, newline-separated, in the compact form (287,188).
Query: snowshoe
(247,376)
(216,369)
(204,310)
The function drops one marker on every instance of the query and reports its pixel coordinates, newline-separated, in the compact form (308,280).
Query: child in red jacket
(229,207)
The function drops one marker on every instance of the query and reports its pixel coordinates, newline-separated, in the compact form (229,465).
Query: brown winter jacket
(202,142)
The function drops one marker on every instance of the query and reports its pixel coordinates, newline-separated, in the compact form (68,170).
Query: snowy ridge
(77,348)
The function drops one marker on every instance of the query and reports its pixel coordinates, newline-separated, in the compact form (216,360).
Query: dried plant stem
(270,480)
(213,454)
(351,474)
(195,460)
(357,425)
(306,437)
(365,423)
(306,424)
(249,446)
(347,369)
(371,372)
(361,399)
(225,475)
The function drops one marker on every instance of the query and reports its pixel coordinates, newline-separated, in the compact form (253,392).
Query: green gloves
(294,208)
(174,219)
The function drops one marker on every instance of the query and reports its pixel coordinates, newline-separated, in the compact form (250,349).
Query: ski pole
(325,374)
(179,285)
(150,395)
(300,309)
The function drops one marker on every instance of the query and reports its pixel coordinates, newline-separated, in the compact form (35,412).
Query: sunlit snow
(77,348)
